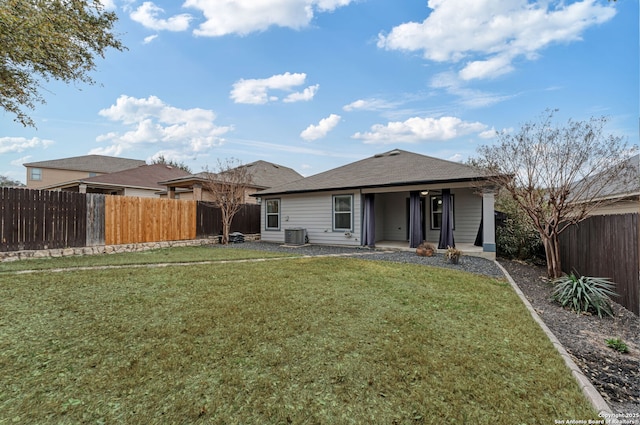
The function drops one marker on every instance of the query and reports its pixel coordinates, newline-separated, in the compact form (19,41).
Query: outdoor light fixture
(424,193)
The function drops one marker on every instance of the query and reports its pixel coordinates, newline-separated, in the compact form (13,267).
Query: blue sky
(315,84)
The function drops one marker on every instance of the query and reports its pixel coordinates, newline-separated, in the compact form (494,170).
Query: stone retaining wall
(109,249)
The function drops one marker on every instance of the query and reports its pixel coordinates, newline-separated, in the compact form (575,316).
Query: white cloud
(108,4)
(488,134)
(20,144)
(416,129)
(246,16)
(170,155)
(20,161)
(315,132)
(256,91)
(472,98)
(150,38)
(490,34)
(151,121)
(147,15)
(368,105)
(305,95)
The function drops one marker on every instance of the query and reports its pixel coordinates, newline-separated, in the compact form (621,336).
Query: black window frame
(432,212)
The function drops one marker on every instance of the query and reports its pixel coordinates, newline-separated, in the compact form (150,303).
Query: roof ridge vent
(394,152)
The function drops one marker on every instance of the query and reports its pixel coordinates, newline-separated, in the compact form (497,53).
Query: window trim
(267,214)
(32,174)
(432,212)
(334,212)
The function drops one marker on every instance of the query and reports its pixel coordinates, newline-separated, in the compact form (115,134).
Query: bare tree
(227,188)
(557,175)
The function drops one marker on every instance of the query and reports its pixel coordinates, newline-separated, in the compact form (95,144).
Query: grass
(311,341)
(156,256)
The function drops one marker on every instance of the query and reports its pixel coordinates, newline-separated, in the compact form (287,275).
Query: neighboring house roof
(622,188)
(142,177)
(263,175)
(393,168)
(90,163)
(266,174)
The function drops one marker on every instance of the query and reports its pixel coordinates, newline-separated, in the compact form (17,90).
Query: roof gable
(263,174)
(393,168)
(266,174)
(145,176)
(89,163)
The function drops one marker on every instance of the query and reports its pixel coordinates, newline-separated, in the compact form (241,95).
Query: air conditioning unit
(295,236)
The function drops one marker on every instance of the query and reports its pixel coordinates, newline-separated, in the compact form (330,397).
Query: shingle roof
(145,176)
(89,163)
(393,168)
(264,175)
(625,186)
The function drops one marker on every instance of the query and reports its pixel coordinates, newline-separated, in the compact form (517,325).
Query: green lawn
(190,254)
(302,341)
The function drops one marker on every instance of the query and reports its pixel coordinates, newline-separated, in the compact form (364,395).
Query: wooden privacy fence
(209,220)
(135,220)
(606,246)
(42,219)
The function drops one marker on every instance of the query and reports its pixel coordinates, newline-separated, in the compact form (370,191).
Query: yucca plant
(585,294)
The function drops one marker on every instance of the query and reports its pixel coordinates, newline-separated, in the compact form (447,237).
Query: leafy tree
(42,40)
(7,182)
(160,159)
(227,188)
(558,174)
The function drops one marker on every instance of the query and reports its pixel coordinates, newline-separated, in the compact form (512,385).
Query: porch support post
(197,192)
(489,221)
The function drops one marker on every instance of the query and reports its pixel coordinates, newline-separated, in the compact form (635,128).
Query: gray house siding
(314,212)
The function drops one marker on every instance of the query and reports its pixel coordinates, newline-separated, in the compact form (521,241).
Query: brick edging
(589,391)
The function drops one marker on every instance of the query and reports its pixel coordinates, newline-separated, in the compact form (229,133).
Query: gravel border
(467,263)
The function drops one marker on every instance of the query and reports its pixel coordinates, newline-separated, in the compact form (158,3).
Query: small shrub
(452,254)
(618,345)
(584,294)
(516,236)
(425,249)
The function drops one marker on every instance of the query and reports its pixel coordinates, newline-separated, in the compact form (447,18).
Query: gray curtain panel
(446,227)
(369,222)
(415,221)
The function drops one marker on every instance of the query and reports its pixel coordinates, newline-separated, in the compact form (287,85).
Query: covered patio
(402,219)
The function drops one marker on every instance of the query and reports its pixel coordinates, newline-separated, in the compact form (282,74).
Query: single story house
(47,174)
(263,176)
(395,198)
(142,181)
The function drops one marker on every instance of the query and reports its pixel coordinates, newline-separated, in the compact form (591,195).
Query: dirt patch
(616,376)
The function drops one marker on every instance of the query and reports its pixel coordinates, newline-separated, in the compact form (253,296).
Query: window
(36,174)
(436,212)
(342,212)
(272,219)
